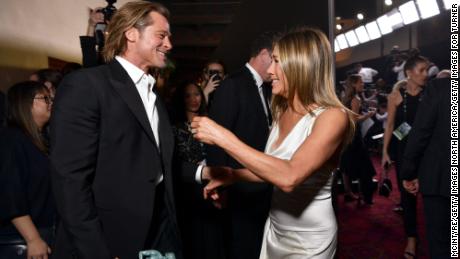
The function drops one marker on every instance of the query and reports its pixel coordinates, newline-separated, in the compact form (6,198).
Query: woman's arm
(36,247)
(314,152)
(391,111)
(355,105)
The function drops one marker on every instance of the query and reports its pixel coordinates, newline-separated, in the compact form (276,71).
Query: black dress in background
(408,201)
(356,163)
(200,222)
(25,188)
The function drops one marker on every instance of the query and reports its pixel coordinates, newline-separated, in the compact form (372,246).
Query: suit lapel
(255,93)
(164,132)
(125,87)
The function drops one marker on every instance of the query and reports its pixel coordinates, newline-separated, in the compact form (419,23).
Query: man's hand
(411,186)
(37,248)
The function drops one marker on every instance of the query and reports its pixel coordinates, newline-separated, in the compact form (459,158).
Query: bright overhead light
(362,34)
(351,38)
(409,12)
(343,44)
(388,2)
(360,16)
(338,27)
(427,8)
(336,46)
(338,18)
(395,19)
(448,4)
(373,30)
(384,24)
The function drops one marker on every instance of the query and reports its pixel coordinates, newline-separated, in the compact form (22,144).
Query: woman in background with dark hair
(27,213)
(355,161)
(402,107)
(200,222)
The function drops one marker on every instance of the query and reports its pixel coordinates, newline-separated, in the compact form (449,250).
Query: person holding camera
(93,43)
(213,74)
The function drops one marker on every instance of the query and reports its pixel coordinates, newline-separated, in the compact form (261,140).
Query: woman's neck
(412,88)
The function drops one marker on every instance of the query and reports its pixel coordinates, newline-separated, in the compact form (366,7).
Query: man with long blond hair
(112,146)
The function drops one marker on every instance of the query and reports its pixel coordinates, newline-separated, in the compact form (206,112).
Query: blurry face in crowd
(419,74)
(214,67)
(150,45)
(192,98)
(277,76)
(359,85)
(266,60)
(41,108)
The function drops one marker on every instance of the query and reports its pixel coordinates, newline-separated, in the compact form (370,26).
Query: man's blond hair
(132,14)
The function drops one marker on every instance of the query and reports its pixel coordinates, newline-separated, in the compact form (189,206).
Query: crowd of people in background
(383,105)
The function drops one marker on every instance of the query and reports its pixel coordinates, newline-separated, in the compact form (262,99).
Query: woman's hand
(207,131)
(385,159)
(210,86)
(37,248)
(218,177)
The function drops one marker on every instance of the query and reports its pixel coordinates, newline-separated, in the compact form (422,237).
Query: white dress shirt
(144,85)
(259,82)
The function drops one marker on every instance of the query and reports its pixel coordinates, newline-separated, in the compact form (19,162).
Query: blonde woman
(311,126)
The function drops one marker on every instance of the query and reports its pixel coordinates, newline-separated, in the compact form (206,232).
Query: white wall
(32,30)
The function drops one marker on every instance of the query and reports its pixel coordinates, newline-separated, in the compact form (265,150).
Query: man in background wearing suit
(426,164)
(112,146)
(241,104)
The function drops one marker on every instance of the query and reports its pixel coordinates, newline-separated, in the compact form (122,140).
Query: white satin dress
(301,224)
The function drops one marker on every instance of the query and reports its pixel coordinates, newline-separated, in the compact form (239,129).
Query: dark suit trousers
(163,235)
(437,216)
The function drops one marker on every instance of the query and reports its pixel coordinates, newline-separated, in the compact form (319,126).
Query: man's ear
(132,34)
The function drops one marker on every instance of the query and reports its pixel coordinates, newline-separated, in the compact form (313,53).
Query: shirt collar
(133,71)
(255,75)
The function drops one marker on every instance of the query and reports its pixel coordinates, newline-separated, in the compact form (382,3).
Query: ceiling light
(395,19)
(338,27)
(388,2)
(360,16)
(384,24)
(362,34)
(343,44)
(338,18)
(409,12)
(427,8)
(336,46)
(373,30)
(351,38)
(448,4)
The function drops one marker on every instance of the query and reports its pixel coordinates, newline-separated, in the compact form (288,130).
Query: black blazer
(105,162)
(426,156)
(238,107)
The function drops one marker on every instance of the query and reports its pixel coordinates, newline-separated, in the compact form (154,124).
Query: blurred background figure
(27,215)
(402,108)
(200,222)
(355,161)
(49,77)
(213,74)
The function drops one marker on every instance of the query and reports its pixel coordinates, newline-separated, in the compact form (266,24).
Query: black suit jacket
(2,109)
(238,107)
(105,162)
(426,156)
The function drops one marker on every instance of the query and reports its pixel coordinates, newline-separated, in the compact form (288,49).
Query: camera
(109,10)
(99,30)
(216,73)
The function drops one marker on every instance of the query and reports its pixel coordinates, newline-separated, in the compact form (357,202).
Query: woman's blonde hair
(306,59)
(132,14)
